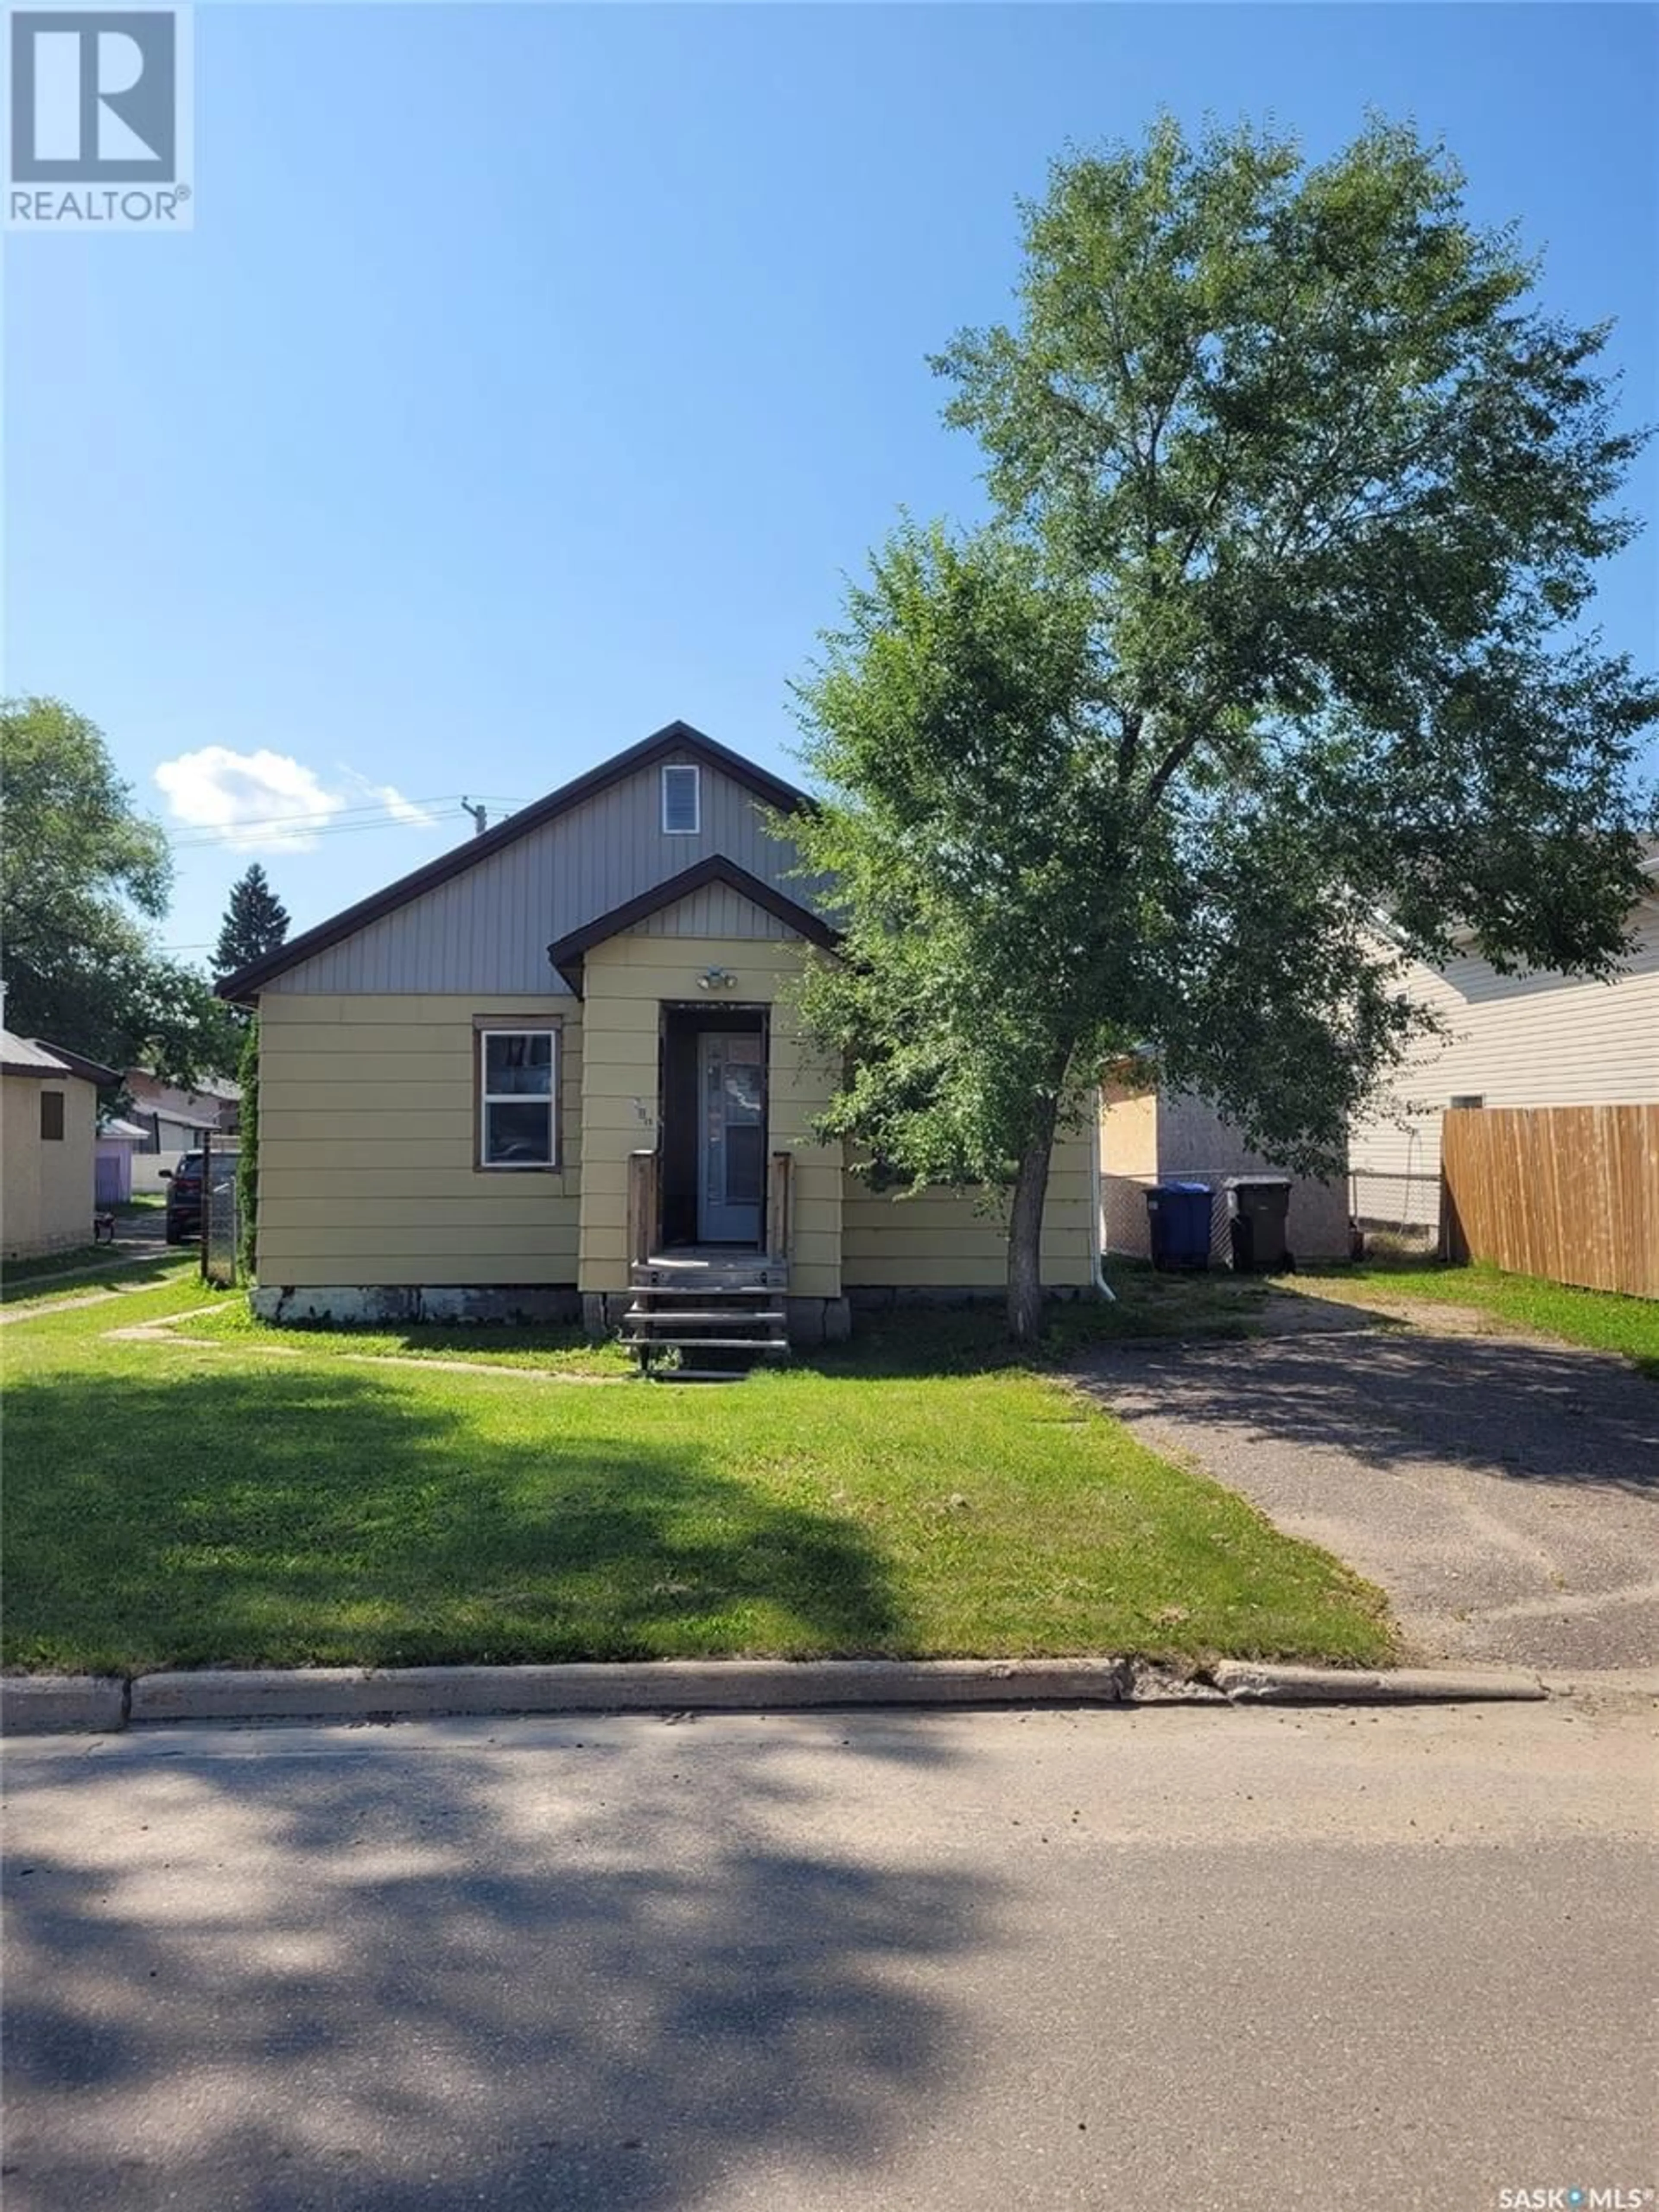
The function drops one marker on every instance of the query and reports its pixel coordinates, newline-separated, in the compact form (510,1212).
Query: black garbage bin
(1178,1217)
(1258,1219)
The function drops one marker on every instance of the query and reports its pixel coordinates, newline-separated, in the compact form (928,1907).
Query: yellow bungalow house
(555,1072)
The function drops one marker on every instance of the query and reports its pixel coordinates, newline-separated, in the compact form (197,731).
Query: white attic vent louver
(682,806)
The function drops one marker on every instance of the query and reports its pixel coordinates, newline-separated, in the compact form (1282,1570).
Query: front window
(518,1096)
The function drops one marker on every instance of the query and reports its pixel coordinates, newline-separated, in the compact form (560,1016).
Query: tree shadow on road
(609,1970)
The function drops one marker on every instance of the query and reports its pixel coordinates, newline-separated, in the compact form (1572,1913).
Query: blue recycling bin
(1178,1215)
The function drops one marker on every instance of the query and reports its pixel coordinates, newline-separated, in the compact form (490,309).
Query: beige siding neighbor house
(562,1060)
(1540,1040)
(48,1120)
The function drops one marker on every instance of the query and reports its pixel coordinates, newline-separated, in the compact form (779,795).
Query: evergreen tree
(255,923)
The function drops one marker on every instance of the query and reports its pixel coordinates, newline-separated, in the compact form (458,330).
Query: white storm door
(732,1137)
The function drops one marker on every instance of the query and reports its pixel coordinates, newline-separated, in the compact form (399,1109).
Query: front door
(731,1137)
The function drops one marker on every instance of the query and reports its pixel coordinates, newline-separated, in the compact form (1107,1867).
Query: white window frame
(487,1098)
(683,767)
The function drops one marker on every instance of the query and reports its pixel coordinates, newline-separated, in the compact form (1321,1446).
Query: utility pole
(480,816)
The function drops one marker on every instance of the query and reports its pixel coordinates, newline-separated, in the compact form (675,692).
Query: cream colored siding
(715,910)
(367,1140)
(943,1238)
(1509,1041)
(66,1167)
(1128,1131)
(45,1187)
(488,928)
(628,979)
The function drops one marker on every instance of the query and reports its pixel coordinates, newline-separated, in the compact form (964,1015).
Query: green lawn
(1599,1319)
(254,1496)
(1150,1304)
(559,1351)
(54,1263)
(101,1267)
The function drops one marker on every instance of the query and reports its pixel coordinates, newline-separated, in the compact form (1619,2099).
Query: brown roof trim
(567,953)
(38,1056)
(676,739)
(90,1071)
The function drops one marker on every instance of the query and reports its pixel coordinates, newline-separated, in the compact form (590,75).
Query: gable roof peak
(674,739)
(567,954)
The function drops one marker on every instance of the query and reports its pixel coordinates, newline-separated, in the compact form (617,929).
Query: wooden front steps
(721,1312)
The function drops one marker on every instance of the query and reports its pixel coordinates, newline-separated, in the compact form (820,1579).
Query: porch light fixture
(717,979)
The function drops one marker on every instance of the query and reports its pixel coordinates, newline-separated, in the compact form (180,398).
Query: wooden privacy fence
(1569,1192)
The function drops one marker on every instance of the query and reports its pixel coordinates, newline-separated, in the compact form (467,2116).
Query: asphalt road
(1503,1491)
(1196,1957)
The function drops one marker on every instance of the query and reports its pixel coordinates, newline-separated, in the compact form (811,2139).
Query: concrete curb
(36,1704)
(1248,1684)
(652,1686)
(62,1704)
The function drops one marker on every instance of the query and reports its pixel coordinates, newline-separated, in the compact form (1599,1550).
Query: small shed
(48,1116)
(112,1160)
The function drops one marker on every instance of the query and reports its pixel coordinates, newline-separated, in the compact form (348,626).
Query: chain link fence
(221,1225)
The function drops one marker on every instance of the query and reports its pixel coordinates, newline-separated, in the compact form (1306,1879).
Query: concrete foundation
(812,1321)
(888,1298)
(404,1303)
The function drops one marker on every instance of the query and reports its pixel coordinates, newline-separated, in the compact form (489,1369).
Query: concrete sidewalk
(1504,1492)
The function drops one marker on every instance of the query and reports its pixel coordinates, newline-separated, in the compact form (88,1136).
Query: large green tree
(83,876)
(1271,672)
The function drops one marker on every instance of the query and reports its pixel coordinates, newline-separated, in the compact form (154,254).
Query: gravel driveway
(1503,1491)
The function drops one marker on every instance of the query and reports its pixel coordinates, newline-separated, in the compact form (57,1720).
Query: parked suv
(184,1198)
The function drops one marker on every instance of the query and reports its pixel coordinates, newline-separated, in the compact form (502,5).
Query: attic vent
(681,811)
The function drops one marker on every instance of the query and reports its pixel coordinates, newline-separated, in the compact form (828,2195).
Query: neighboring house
(568,1046)
(1542,1040)
(1149,1135)
(172,1118)
(48,1115)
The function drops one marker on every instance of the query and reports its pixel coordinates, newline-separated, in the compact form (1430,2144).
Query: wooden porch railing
(779,1195)
(642,1205)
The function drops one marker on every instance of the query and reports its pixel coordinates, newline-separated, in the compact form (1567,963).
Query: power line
(315,818)
(235,833)
(324,825)
(357,806)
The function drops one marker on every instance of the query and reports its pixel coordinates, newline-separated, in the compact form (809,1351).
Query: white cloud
(261,801)
(267,802)
(401,809)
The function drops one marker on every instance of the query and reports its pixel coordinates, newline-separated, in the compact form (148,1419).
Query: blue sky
(534,374)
